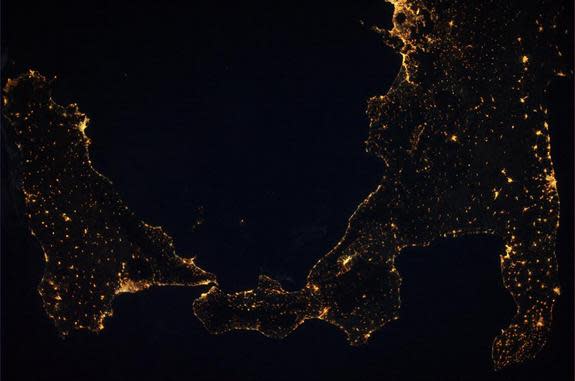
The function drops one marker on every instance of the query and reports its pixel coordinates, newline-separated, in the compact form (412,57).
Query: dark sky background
(249,117)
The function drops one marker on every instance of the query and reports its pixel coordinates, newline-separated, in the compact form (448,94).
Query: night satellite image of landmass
(401,169)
